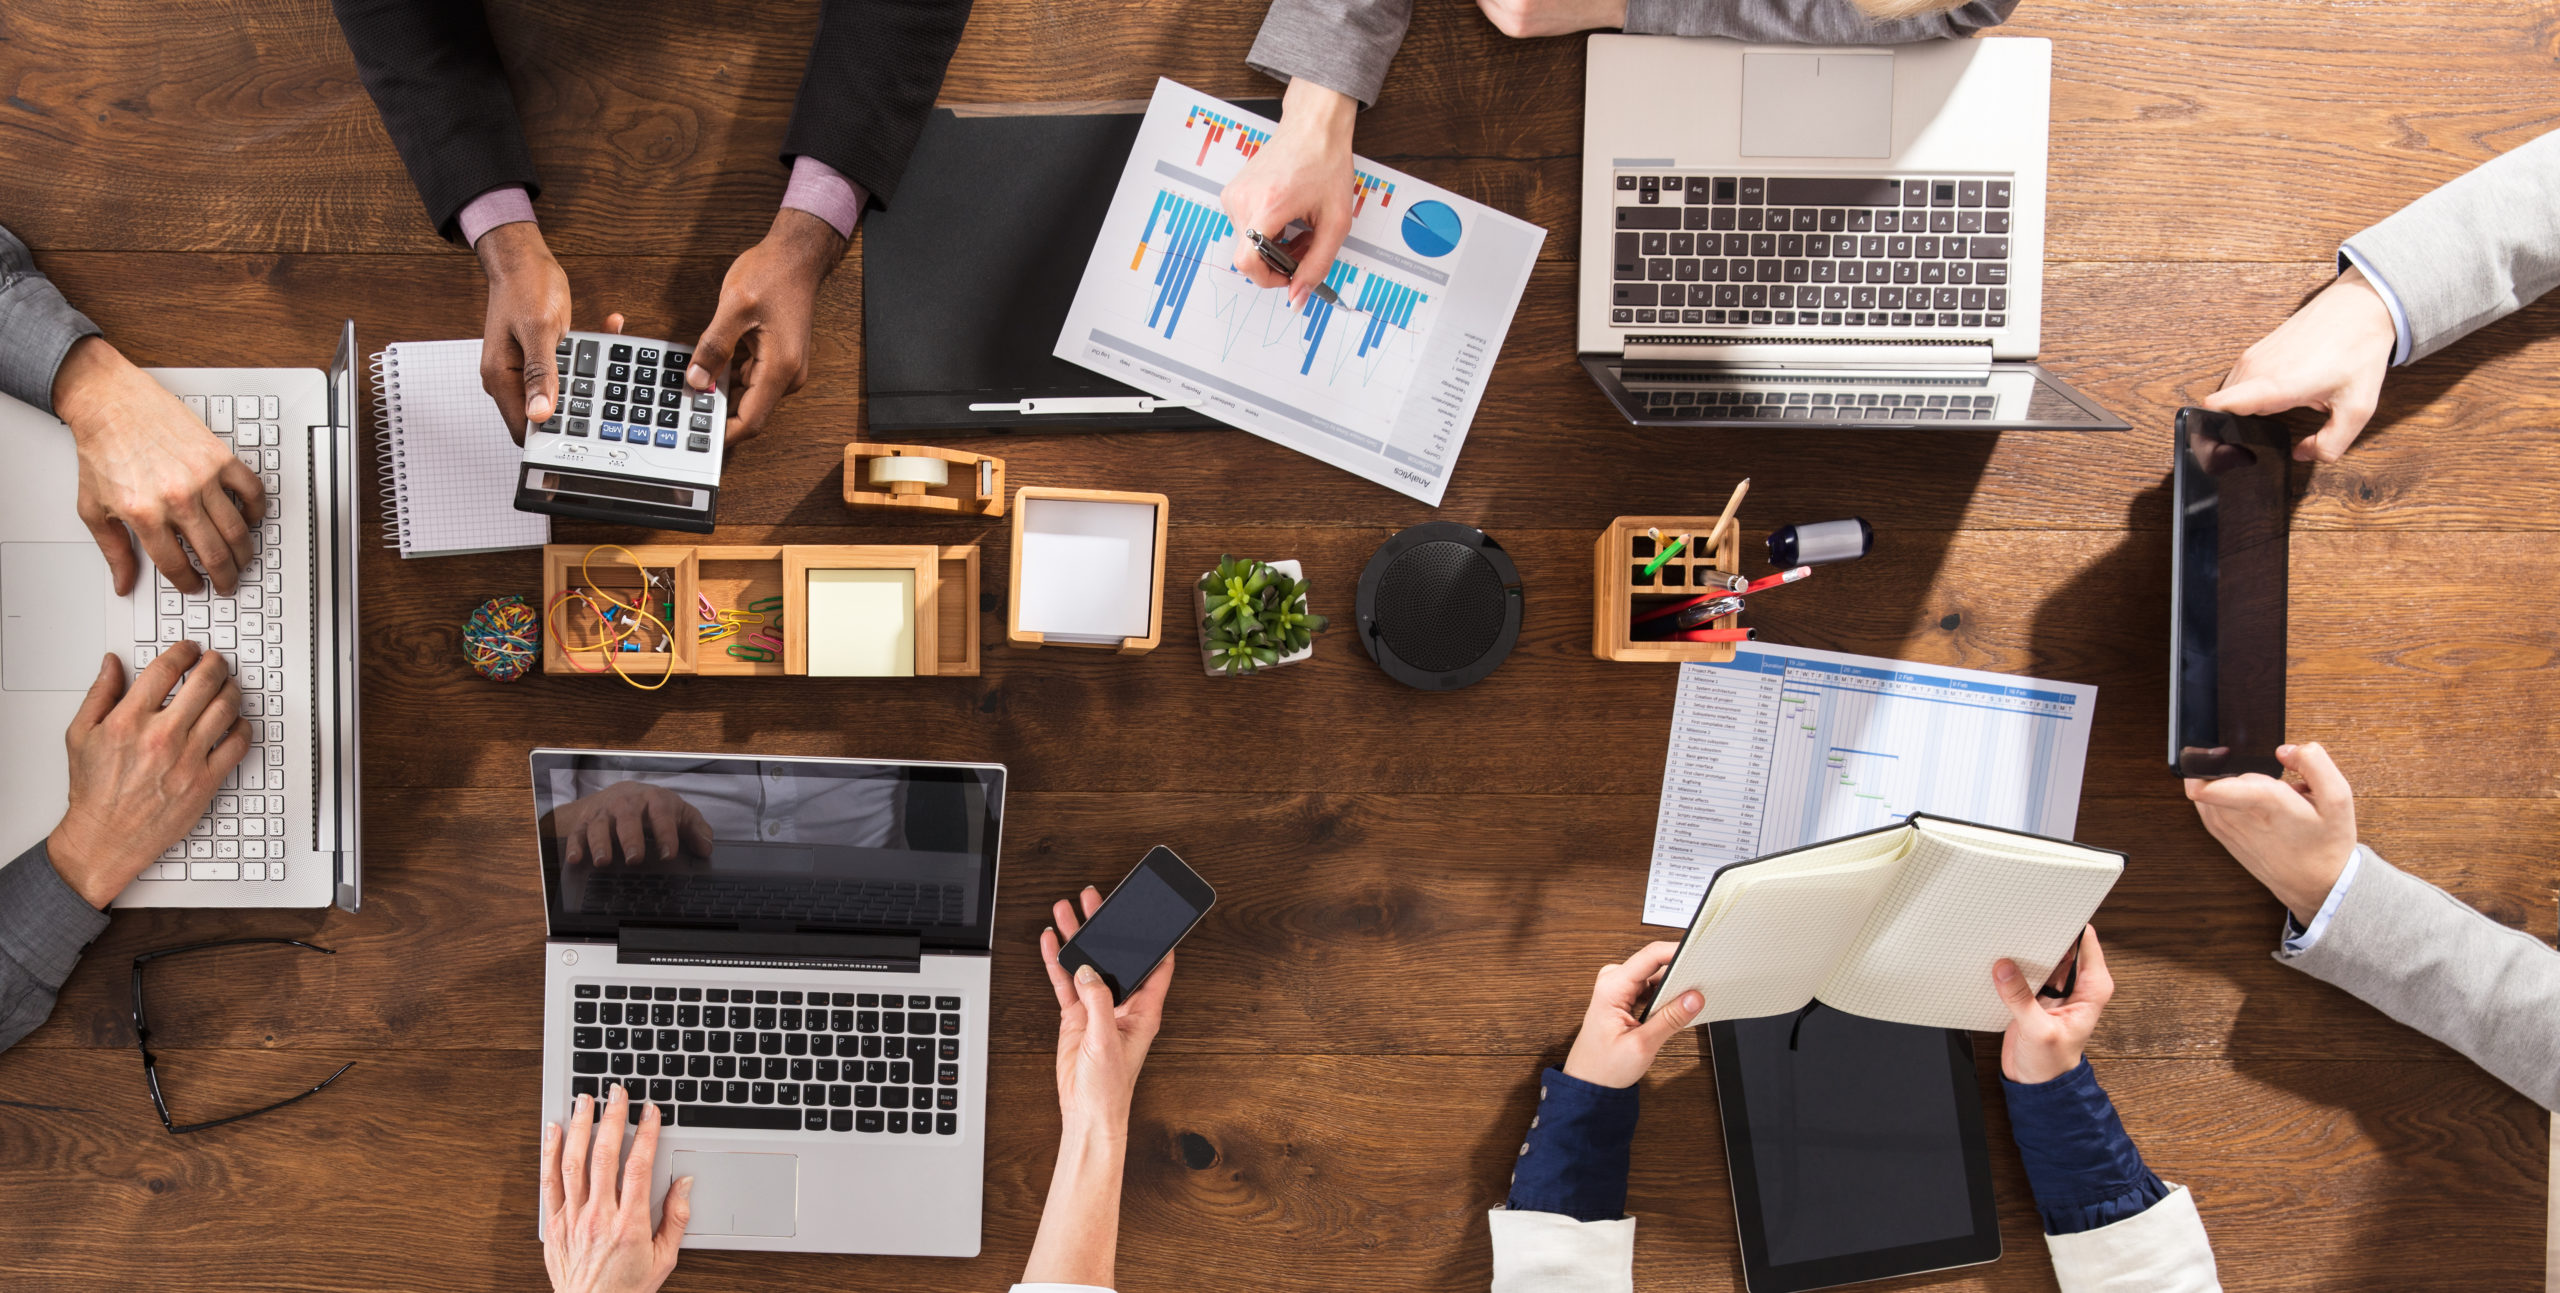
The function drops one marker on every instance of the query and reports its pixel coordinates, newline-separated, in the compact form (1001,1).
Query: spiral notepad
(449,465)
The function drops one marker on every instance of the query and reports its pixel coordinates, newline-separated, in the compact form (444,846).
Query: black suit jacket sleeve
(434,74)
(872,76)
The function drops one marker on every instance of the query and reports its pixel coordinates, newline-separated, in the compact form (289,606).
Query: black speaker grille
(1440,606)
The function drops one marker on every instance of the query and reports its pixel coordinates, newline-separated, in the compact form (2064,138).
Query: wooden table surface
(1416,889)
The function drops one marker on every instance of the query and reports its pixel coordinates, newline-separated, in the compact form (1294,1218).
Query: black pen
(1286,266)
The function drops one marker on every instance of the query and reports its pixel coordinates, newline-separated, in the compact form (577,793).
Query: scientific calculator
(628,440)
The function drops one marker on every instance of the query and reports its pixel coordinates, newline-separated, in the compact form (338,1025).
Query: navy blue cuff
(1574,1160)
(2082,1166)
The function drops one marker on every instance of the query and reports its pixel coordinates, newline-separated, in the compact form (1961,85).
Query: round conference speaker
(1439,606)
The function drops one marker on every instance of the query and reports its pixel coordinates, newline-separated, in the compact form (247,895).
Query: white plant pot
(1200,611)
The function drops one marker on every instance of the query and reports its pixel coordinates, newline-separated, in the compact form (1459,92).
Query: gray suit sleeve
(1806,22)
(2476,250)
(1342,45)
(37,327)
(43,926)
(2423,957)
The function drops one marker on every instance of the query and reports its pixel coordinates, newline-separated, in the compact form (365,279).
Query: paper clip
(703,602)
(715,632)
(747,651)
(767,639)
(773,603)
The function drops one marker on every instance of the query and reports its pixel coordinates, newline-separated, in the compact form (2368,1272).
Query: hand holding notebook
(1901,923)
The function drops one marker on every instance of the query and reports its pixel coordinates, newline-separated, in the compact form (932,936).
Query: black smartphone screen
(2226,690)
(1150,910)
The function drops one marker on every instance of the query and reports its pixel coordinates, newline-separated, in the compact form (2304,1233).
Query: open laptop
(1821,235)
(790,957)
(285,829)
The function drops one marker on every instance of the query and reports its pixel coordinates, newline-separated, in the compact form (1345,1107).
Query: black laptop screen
(780,845)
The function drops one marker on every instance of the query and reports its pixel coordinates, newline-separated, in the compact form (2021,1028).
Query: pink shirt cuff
(824,192)
(508,205)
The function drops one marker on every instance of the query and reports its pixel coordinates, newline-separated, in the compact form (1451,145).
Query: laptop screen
(686,841)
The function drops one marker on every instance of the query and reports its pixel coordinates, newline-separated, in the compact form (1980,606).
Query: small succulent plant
(1256,615)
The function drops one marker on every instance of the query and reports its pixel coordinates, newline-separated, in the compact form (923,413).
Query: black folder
(968,274)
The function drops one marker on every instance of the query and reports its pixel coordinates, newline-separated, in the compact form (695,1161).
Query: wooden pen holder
(1621,589)
(574,625)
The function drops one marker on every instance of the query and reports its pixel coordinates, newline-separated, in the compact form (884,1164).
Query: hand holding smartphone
(1148,912)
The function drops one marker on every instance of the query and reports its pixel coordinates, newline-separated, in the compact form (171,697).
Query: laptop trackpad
(54,608)
(741,1194)
(1828,104)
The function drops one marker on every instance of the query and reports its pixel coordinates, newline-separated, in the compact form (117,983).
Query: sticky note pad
(1088,569)
(862,623)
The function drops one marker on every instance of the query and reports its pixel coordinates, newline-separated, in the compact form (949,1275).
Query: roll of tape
(910,471)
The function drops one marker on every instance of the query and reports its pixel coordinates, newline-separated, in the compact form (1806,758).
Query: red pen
(1782,577)
(1715,635)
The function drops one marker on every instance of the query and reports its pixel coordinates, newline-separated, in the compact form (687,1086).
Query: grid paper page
(453,464)
(1925,957)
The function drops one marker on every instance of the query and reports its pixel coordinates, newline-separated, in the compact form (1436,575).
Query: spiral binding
(395,470)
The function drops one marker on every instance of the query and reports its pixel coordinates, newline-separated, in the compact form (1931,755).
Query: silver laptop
(284,830)
(789,957)
(1821,235)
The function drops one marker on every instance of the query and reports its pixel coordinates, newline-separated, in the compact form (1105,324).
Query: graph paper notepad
(1782,746)
(1901,923)
(449,465)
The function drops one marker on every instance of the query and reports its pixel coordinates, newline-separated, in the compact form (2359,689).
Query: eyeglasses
(151,1063)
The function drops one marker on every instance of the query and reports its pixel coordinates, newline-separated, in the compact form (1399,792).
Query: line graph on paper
(1183,288)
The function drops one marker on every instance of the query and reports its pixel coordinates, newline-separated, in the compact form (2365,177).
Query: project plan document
(1383,385)
(1784,746)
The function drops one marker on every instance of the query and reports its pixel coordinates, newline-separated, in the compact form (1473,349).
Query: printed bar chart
(1389,304)
(1319,311)
(1249,139)
(1363,184)
(1190,229)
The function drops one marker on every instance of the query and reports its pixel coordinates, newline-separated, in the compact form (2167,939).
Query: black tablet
(1856,1149)
(2228,563)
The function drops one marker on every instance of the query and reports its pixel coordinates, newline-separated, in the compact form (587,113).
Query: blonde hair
(1884,10)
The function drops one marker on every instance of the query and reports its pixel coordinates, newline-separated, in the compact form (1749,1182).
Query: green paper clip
(773,603)
(747,651)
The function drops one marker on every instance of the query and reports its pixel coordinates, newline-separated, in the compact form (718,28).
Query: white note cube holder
(1088,569)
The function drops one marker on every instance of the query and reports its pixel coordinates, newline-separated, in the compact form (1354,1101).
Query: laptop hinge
(1861,355)
(893,953)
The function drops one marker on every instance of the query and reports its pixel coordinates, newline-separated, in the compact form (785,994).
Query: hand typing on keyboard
(142,772)
(596,1236)
(2330,356)
(148,464)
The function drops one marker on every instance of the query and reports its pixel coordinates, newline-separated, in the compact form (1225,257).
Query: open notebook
(450,463)
(1900,923)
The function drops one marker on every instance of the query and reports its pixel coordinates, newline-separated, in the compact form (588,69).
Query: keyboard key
(867,1120)
(951,1047)
(867,999)
(946,1099)
(841,1120)
(814,1119)
(762,1092)
(866,1097)
(739,1118)
(950,1025)
(768,1043)
(662,1090)
(949,1075)
(787,1092)
(868,1021)
(812,1093)
(715,994)
(587,1062)
(840,1095)
(898,1071)
(689,994)
(897,1124)
(619,1063)
(947,1124)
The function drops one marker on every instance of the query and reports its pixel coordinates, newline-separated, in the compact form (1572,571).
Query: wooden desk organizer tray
(735,577)
(1620,589)
(1151,572)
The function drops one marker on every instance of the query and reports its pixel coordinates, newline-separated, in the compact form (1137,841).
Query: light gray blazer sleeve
(1342,45)
(2419,955)
(2476,250)
(43,926)
(1806,22)
(37,327)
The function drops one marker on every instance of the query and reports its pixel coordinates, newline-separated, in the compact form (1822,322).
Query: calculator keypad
(644,400)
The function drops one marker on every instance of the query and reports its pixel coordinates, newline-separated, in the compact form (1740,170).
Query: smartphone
(1150,910)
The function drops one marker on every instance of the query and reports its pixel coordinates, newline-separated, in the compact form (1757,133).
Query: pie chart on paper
(1431,228)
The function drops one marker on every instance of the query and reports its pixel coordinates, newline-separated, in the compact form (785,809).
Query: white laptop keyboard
(243,835)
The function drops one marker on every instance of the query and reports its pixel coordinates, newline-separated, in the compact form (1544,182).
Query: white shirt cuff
(2295,944)
(2391,302)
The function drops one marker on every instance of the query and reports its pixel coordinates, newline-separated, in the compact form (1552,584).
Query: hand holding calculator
(629,441)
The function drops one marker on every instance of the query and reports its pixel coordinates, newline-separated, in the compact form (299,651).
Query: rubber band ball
(503,638)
